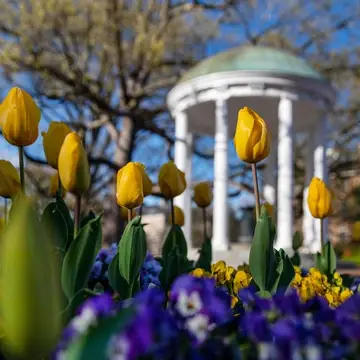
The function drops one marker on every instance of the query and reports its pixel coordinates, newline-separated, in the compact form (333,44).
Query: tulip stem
(129,215)
(172,211)
(60,186)
(22,169)
(256,190)
(141,210)
(205,223)
(322,234)
(77,214)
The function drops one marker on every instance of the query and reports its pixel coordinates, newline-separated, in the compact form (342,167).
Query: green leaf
(320,262)
(73,305)
(329,256)
(288,272)
(94,344)
(80,258)
(132,251)
(68,219)
(262,258)
(175,238)
(347,280)
(275,273)
(264,294)
(297,241)
(296,260)
(117,282)
(87,218)
(55,226)
(204,261)
(174,265)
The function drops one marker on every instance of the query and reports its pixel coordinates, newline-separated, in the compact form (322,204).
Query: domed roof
(253,58)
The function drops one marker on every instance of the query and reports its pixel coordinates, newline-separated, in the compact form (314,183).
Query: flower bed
(196,321)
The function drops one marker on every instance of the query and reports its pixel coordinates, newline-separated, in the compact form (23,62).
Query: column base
(220,246)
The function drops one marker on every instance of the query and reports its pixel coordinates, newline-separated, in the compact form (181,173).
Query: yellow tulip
(19,118)
(73,164)
(54,186)
(9,180)
(147,184)
(319,199)
(179,216)
(203,195)
(171,180)
(356,231)
(129,186)
(29,271)
(53,140)
(252,139)
(124,213)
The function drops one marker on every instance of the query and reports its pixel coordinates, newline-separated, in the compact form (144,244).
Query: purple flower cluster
(195,321)
(149,273)
(283,327)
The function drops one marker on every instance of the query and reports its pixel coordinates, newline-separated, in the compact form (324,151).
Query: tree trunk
(113,223)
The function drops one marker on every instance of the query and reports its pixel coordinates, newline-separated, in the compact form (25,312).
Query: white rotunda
(289,94)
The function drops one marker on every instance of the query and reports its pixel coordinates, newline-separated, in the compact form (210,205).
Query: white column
(220,241)
(181,158)
(285,175)
(188,192)
(310,244)
(320,171)
(269,191)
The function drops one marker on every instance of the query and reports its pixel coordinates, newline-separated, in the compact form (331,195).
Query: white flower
(118,348)
(188,305)
(313,352)
(198,325)
(84,321)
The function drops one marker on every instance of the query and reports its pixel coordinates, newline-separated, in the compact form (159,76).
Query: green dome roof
(253,58)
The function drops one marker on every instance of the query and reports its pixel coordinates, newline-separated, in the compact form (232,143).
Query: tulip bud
(203,195)
(19,118)
(147,184)
(73,165)
(54,186)
(30,301)
(129,186)
(53,140)
(319,199)
(9,180)
(179,216)
(356,231)
(171,180)
(252,140)
(125,212)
